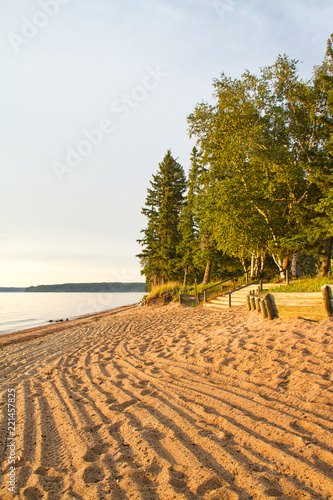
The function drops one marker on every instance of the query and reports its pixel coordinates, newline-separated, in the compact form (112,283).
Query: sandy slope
(173,402)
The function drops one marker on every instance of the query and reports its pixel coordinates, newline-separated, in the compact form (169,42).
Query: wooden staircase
(237,297)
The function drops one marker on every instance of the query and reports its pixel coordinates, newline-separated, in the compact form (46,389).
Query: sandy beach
(170,402)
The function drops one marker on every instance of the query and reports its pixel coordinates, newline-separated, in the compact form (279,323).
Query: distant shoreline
(112,287)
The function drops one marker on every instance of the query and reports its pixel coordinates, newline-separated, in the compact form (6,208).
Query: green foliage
(164,203)
(260,187)
(262,144)
(323,211)
(188,223)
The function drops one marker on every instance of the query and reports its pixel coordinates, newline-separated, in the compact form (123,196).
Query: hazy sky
(93,93)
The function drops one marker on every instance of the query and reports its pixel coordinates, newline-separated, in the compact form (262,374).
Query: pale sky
(93,93)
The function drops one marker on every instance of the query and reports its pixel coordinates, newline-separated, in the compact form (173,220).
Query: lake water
(19,311)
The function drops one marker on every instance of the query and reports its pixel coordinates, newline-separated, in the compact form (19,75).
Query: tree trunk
(279,262)
(162,280)
(185,277)
(325,266)
(252,266)
(262,263)
(285,264)
(208,269)
(244,265)
(294,262)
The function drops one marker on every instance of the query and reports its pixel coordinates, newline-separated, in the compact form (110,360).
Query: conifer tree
(164,203)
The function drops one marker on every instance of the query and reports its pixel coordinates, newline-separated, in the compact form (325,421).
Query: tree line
(113,287)
(259,192)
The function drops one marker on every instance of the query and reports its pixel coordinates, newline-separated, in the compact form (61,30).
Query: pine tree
(165,200)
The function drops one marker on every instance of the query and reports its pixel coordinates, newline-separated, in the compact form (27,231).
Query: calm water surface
(19,311)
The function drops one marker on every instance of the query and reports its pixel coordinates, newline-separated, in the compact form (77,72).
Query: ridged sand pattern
(173,402)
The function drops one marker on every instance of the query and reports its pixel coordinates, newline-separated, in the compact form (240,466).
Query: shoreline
(34,332)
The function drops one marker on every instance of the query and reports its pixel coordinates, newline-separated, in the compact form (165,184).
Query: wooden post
(229,299)
(253,303)
(180,297)
(326,299)
(263,309)
(205,296)
(258,304)
(248,302)
(196,289)
(247,277)
(287,276)
(269,306)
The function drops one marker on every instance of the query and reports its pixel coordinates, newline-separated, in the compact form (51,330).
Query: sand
(169,402)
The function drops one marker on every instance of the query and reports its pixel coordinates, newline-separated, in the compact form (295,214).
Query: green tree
(229,135)
(188,227)
(164,203)
(262,143)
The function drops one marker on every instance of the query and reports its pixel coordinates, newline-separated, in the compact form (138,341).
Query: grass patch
(157,291)
(307,284)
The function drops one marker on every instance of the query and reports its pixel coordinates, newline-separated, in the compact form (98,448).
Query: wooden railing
(260,282)
(233,278)
(204,294)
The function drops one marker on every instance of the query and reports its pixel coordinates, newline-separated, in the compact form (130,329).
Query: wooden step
(216,306)
(223,302)
(238,297)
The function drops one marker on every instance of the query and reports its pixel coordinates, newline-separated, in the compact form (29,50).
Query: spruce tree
(165,199)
